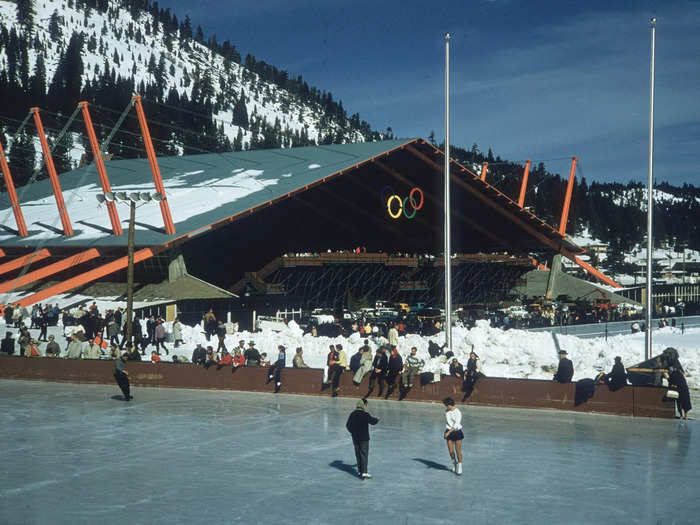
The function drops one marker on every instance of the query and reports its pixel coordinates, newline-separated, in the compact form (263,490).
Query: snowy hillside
(130,43)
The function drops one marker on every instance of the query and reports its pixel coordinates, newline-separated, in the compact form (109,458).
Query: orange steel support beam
(62,211)
(101,171)
(484,169)
(16,209)
(164,208)
(24,259)
(51,269)
(517,220)
(567,198)
(88,277)
(2,252)
(596,273)
(523,186)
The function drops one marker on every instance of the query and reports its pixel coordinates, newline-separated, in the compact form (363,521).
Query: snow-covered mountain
(166,61)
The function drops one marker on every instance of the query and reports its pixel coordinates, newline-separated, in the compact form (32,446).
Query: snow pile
(511,353)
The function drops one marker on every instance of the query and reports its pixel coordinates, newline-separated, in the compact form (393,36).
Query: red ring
(413,203)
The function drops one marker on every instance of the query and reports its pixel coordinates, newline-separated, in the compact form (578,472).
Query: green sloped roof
(201,190)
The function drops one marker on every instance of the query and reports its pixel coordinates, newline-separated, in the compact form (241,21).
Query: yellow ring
(388,206)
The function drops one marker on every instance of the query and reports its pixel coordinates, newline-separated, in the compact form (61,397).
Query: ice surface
(74,454)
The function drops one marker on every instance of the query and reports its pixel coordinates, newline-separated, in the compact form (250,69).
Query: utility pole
(650,198)
(130,276)
(447,227)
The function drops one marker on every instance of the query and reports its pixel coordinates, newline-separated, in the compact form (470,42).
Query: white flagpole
(448,247)
(650,198)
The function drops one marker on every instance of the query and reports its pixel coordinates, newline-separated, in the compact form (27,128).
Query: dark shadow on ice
(49,227)
(118,398)
(95,226)
(350,469)
(432,464)
(148,226)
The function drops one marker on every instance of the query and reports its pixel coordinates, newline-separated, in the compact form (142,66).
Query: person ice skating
(413,367)
(298,361)
(453,433)
(121,374)
(566,369)
(358,426)
(379,368)
(275,372)
(617,378)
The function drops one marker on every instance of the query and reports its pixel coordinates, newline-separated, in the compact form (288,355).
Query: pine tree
(240,113)
(25,14)
(238,141)
(55,31)
(37,88)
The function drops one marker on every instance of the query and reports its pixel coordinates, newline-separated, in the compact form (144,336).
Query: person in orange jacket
(226,360)
(155,358)
(238,359)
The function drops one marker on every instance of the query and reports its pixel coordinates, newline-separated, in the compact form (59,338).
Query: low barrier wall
(491,391)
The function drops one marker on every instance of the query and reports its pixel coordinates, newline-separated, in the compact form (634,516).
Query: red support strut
(484,169)
(567,199)
(62,211)
(523,186)
(16,209)
(164,208)
(102,172)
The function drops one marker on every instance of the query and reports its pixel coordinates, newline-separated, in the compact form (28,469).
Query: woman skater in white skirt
(453,433)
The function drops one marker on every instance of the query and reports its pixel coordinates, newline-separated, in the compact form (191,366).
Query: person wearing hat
(358,426)
(566,369)
(121,374)
(240,347)
(617,378)
(379,369)
(252,356)
(276,369)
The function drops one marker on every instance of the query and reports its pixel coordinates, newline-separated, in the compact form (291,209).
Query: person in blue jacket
(276,369)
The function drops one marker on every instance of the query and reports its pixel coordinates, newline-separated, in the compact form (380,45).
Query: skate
(366,475)
(277,387)
(459,469)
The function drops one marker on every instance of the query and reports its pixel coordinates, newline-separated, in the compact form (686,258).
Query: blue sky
(530,79)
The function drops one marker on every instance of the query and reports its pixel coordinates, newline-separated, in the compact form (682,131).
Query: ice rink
(79,454)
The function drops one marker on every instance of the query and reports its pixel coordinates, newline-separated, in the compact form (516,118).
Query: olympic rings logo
(396,206)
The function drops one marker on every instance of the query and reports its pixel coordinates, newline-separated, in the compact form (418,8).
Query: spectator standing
(43,322)
(334,369)
(413,367)
(395,368)
(473,372)
(617,378)
(358,426)
(8,343)
(159,334)
(393,335)
(565,371)
(221,335)
(209,323)
(379,368)
(151,330)
(355,361)
(177,332)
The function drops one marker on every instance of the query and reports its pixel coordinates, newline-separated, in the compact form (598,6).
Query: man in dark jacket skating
(122,376)
(358,425)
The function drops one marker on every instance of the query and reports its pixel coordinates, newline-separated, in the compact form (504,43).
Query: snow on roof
(200,189)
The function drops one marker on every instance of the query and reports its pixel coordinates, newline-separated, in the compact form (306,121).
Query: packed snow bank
(510,353)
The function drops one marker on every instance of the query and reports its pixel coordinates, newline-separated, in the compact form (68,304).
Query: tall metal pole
(448,245)
(650,198)
(130,276)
